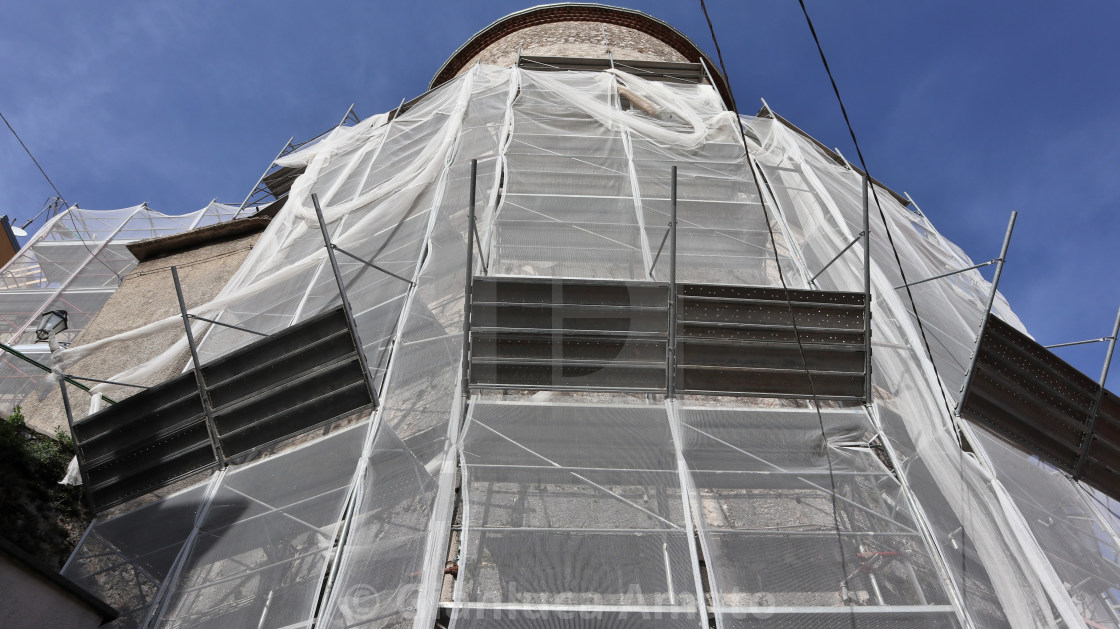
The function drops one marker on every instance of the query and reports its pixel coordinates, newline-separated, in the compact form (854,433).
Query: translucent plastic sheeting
(804,527)
(75,263)
(383,223)
(998,569)
(125,559)
(574,516)
(722,232)
(393,558)
(951,309)
(392,238)
(568,206)
(1083,551)
(260,553)
(19,379)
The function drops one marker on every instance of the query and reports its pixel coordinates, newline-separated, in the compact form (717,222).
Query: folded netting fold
(266,268)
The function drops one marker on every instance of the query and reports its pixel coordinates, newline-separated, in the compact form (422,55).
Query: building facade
(658,374)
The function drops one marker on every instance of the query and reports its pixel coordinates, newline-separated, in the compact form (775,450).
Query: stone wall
(576,39)
(147,294)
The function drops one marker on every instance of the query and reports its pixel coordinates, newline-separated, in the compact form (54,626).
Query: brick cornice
(552,13)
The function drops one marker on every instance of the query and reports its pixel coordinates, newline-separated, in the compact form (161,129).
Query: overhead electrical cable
(37,165)
(793,319)
(905,282)
(878,206)
(65,203)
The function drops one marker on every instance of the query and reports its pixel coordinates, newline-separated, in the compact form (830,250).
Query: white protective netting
(1083,550)
(722,231)
(74,263)
(804,528)
(391,570)
(126,558)
(578,510)
(574,516)
(589,176)
(427,355)
(260,550)
(411,222)
(568,205)
(1000,571)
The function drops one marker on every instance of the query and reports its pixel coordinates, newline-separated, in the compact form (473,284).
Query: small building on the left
(36,596)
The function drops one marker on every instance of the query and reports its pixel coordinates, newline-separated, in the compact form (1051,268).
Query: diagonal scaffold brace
(968,375)
(346,307)
(203,392)
(68,378)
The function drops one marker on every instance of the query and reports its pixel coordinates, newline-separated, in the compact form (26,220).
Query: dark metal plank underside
(574,334)
(1024,393)
(280,386)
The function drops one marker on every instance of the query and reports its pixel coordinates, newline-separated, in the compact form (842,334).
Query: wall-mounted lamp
(52,322)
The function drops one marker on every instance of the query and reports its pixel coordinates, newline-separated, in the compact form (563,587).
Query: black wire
(902,272)
(28,151)
(77,231)
(878,206)
(812,387)
(792,319)
(719,55)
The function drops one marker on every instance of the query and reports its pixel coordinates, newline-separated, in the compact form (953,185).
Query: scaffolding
(548,494)
(74,263)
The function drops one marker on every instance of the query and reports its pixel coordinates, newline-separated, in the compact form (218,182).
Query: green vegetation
(37,514)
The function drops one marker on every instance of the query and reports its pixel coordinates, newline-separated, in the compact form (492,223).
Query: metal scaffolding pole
(1095,411)
(369,264)
(958,271)
(867,289)
(24,357)
(203,393)
(671,347)
(469,284)
(256,186)
(346,308)
(87,493)
(851,243)
(987,311)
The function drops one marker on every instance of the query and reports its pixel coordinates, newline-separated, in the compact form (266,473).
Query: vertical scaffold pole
(87,489)
(469,284)
(1095,411)
(867,289)
(671,353)
(346,308)
(968,375)
(203,393)
(241,208)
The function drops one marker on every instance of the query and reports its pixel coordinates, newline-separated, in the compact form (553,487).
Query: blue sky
(974,108)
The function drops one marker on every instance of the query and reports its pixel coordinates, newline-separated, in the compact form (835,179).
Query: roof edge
(578,12)
(160,246)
